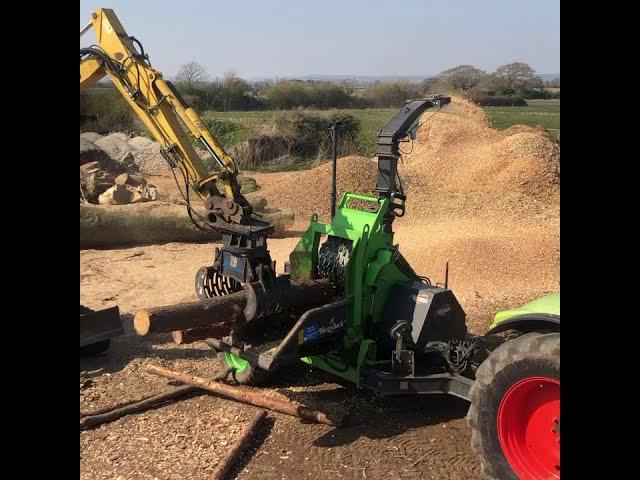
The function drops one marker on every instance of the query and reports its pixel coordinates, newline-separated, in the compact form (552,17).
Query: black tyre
(243,372)
(515,409)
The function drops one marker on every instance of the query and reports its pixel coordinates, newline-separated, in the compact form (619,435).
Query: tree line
(512,81)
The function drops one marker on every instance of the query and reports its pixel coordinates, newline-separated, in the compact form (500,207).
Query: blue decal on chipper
(310,332)
(320,330)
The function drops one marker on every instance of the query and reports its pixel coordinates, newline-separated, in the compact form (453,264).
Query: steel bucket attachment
(98,327)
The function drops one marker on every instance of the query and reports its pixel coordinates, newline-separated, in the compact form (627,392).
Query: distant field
(538,112)
(371,121)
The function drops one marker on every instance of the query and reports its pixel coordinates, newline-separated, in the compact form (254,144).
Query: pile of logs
(100,186)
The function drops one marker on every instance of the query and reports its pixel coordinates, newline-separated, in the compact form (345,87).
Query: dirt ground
(486,202)
(404,438)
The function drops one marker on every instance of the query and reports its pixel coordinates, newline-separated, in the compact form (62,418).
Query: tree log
(182,316)
(241,306)
(246,396)
(110,414)
(191,335)
(104,416)
(240,444)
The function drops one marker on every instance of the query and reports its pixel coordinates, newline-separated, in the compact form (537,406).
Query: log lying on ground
(110,414)
(150,223)
(89,421)
(182,316)
(223,467)
(191,335)
(147,223)
(246,396)
(231,309)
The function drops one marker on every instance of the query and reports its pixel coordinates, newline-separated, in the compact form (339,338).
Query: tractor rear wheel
(242,371)
(515,409)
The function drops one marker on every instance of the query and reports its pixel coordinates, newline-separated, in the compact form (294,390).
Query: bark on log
(229,309)
(246,396)
(191,335)
(223,467)
(182,316)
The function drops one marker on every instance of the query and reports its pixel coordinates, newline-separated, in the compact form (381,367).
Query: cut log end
(181,337)
(141,322)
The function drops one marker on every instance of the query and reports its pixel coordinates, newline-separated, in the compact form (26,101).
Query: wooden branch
(239,445)
(246,396)
(113,414)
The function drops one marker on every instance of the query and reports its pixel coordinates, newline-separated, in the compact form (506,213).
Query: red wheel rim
(529,428)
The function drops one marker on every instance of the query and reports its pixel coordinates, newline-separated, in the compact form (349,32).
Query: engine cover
(433,312)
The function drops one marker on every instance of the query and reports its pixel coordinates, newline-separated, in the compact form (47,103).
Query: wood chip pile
(458,163)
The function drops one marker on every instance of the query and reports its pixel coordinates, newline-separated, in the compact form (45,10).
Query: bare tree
(462,77)
(191,73)
(230,77)
(553,83)
(518,75)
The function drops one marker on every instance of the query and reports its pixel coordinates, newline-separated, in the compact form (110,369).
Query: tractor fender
(529,322)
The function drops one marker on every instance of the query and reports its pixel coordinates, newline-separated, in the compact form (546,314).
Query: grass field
(371,121)
(538,112)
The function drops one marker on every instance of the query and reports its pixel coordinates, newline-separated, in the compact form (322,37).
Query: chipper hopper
(350,304)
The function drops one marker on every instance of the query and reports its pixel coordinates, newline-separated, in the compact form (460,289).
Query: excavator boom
(175,125)
(167,116)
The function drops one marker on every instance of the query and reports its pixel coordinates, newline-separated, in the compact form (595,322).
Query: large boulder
(116,195)
(118,149)
(90,152)
(120,135)
(93,137)
(147,156)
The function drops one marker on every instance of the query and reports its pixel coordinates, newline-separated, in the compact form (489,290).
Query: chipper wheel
(515,409)
(242,372)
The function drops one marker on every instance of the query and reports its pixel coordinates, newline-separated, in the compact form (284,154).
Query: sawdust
(486,201)
(309,191)
(457,165)
(462,154)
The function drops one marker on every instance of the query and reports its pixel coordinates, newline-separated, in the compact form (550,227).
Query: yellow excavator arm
(170,120)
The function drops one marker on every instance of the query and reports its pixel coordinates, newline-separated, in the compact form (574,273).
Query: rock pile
(112,168)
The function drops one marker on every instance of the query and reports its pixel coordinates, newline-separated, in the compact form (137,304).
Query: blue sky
(340,37)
